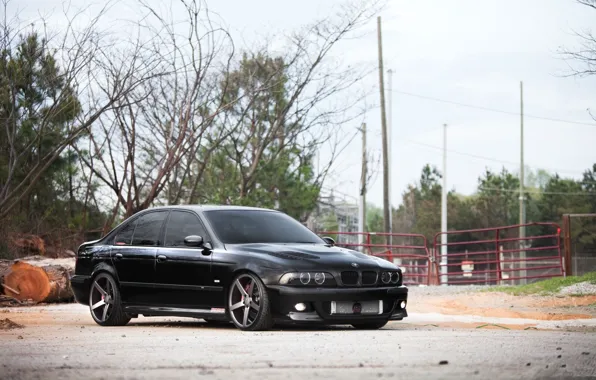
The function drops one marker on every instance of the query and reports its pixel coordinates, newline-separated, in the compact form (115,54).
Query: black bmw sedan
(251,266)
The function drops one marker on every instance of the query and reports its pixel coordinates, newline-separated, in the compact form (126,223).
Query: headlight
(390,277)
(308,279)
(394,277)
(304,278)
(385,277)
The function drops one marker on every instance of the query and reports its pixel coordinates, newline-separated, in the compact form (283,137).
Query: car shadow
(200,324)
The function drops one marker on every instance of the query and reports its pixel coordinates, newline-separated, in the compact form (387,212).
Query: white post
(362,203)
(389,142)
(444,211)
(522,207)
(390,130)
(361,224)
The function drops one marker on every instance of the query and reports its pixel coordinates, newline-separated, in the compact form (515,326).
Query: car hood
(314,256)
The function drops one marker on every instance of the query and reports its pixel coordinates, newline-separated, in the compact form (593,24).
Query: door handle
(118,256)
(161,258)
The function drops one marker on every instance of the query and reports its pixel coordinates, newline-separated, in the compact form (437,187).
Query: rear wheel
(104,302)
(248,303)
(369,326)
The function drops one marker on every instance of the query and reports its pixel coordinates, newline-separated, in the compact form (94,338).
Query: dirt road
(62,342)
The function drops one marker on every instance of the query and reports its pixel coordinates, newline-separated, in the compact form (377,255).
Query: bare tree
(87,62)
(136,147)
(582,59)
(158,143)
(294,102)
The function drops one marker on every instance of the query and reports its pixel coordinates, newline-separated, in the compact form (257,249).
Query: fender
(104,267)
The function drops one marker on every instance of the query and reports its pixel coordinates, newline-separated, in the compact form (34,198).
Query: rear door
(184,273)
(133,255)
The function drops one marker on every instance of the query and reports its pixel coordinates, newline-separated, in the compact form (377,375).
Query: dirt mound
(7,324)
(502,305)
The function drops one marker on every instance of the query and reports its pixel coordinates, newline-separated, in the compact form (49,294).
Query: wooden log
(38,279)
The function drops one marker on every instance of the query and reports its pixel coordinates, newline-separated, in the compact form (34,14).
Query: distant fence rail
(496,256)
(487,256)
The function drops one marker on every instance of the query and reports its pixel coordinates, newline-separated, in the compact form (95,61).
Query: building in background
(334,214)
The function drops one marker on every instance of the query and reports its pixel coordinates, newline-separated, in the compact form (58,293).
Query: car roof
(209,207)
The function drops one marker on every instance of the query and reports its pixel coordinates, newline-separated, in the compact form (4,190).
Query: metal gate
(579,231)
(495,256)
(409,251)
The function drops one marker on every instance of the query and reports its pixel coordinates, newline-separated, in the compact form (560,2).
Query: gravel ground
(62,342)
(421,291)
(582,288)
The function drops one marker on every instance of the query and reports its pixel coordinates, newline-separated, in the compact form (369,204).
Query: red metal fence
(409,251)
(488,256)
(494,256)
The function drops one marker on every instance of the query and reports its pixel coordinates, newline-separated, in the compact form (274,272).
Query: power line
(493,109)
(535,191)
(489,158)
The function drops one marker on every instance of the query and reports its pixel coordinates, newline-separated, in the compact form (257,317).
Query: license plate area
(356,307)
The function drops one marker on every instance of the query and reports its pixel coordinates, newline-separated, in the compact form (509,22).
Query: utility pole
(444,271)
(522,206)
(362,217)
(389,143)
(386,211)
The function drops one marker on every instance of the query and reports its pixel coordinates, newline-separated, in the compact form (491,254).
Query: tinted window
(148,228)
(124,236)
(255,226)
(180,225)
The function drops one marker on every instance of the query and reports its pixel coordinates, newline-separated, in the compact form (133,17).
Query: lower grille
(369,278)
(349,278)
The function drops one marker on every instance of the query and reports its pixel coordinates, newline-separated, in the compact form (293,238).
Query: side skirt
(154,311)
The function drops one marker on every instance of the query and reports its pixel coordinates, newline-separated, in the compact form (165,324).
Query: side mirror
(193,241)
(329,240)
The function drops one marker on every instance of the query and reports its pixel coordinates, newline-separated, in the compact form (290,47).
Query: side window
(124,236)
(148,229)
(180,225)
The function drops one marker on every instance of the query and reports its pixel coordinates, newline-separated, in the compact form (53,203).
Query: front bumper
(318,301)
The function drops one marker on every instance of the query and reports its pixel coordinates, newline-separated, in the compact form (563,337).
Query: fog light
(402,304)
(300,307)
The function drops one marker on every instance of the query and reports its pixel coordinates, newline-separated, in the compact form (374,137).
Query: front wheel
(104,302)
(369,326)
(248,303)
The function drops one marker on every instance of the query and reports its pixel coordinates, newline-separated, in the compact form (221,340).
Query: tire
(254,313)
(369,326)
(105,302)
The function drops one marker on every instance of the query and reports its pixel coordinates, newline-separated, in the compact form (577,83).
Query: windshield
(258,226)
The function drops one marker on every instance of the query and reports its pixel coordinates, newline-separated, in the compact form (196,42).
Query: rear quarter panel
(89,256)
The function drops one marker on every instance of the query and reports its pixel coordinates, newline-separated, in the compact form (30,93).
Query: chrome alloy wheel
(101,299)
(244,300)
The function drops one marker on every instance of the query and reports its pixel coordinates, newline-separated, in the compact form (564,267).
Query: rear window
(124,236)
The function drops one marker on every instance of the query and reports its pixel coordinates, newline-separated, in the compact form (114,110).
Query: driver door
(183,274)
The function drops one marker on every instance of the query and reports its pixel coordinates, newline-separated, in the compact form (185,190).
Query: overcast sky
(473,52)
